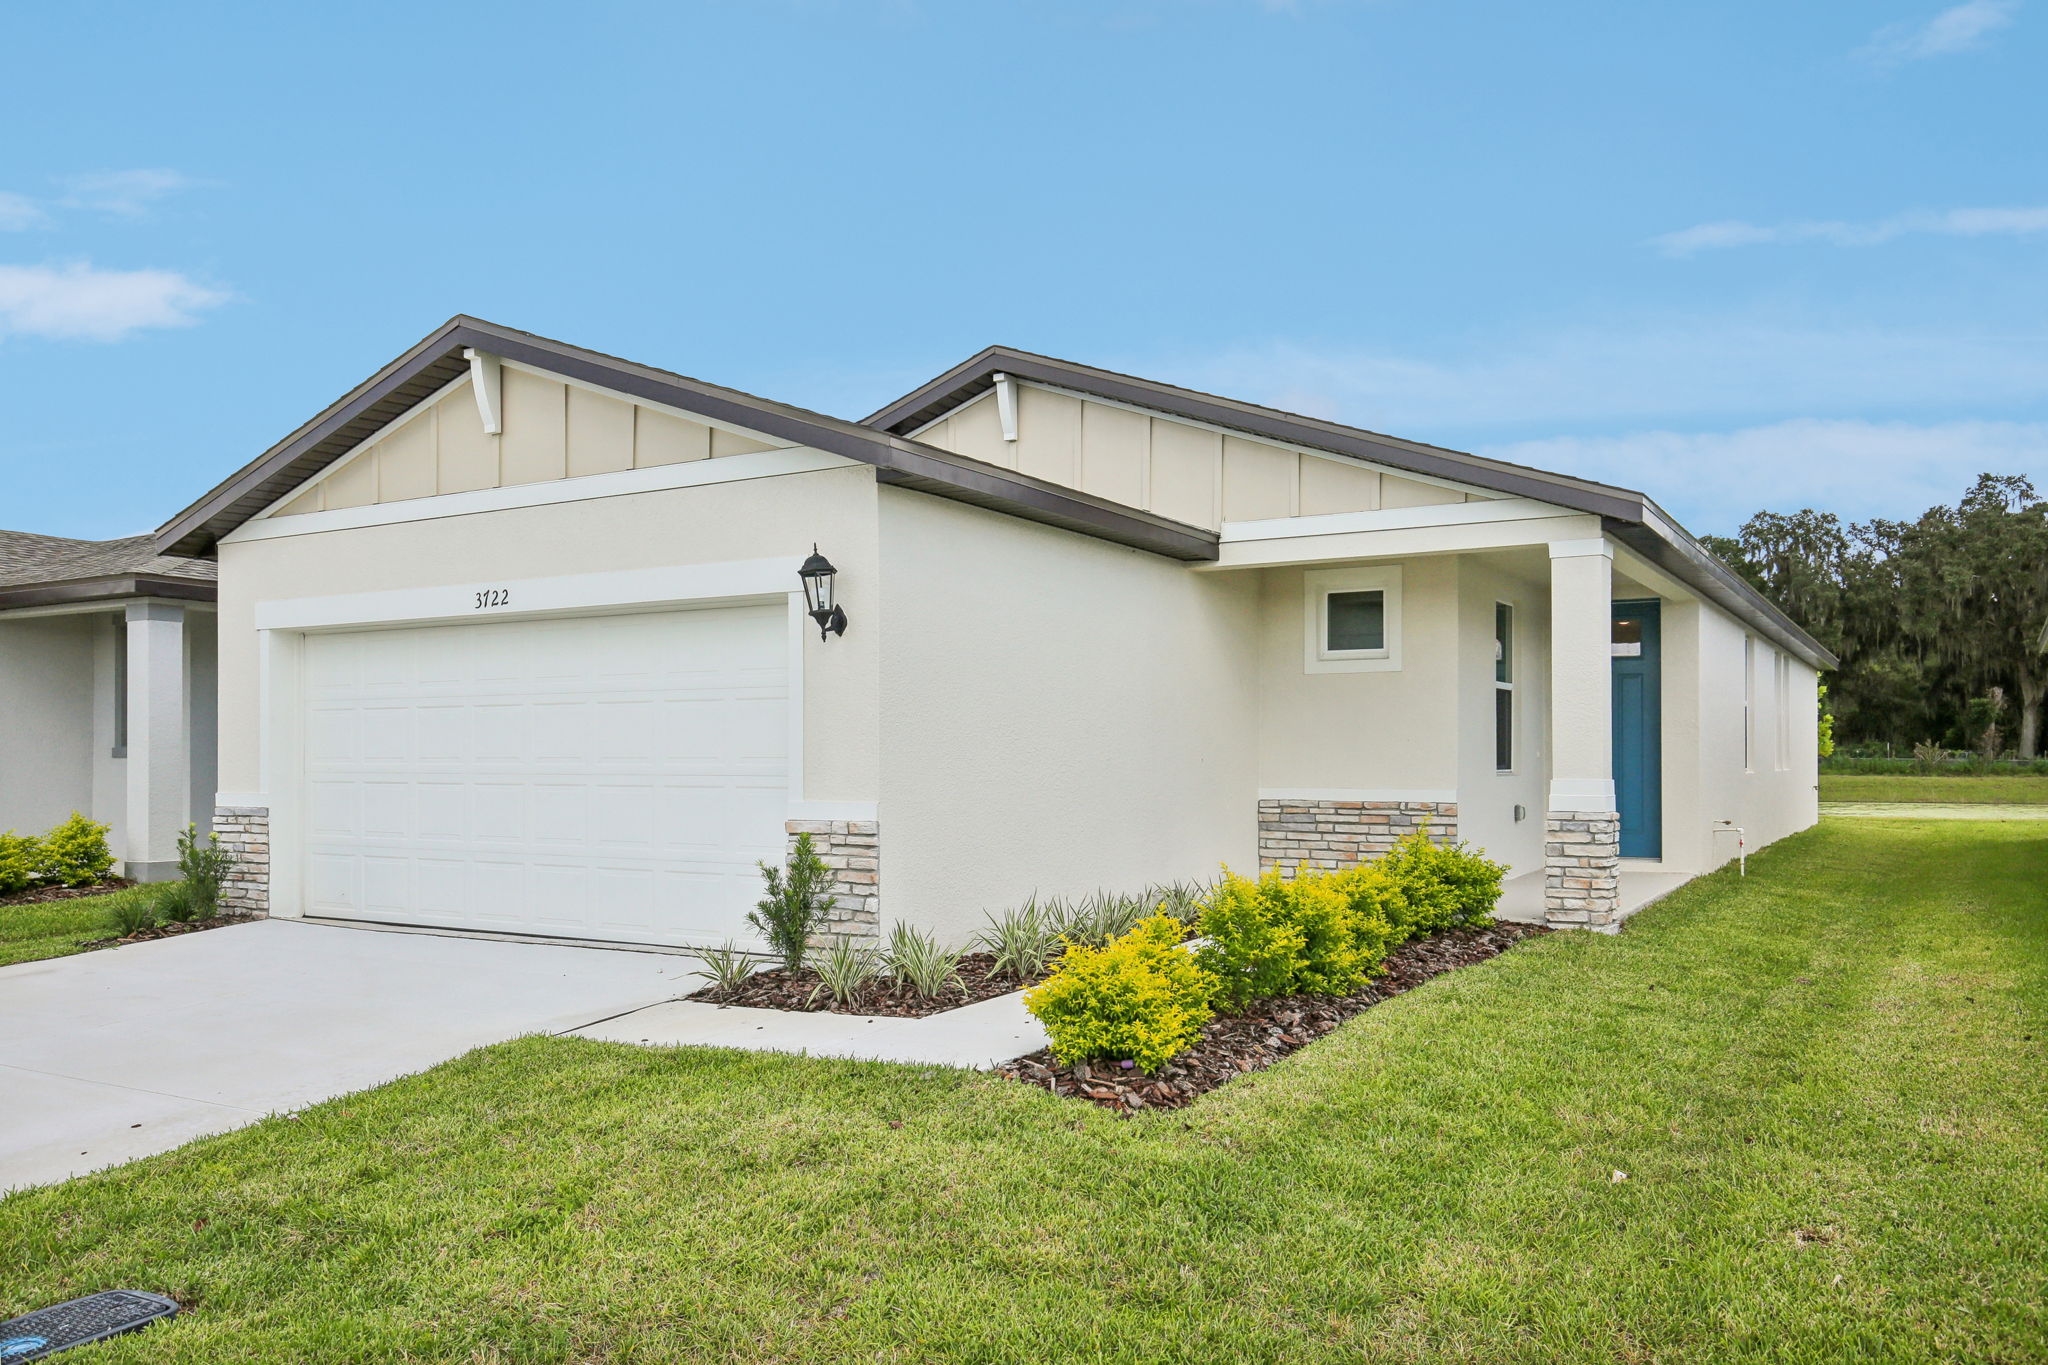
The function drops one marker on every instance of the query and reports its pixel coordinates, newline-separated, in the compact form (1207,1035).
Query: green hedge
(75,853)
(1316,933)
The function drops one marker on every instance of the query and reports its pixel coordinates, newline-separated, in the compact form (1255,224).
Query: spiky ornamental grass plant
(1022,941)
(845,971)
(727,967)
(921,962)
(797,904)
(133,910)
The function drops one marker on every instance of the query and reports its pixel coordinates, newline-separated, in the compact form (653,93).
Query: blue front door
(1638,729)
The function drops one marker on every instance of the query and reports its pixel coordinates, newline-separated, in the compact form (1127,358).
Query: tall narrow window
(120,689)
(1781,707)
(1748,703)
(1503,687)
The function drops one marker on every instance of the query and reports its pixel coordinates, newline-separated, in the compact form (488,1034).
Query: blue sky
(1739,255)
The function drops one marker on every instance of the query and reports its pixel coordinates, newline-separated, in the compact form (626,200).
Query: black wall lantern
(817,574)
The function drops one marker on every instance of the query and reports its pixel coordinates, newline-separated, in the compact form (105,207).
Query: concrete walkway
(978,1035)
(1930,810)
(117,1054)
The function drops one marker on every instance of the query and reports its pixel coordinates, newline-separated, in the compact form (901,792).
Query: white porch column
(159,740)
(1582,830)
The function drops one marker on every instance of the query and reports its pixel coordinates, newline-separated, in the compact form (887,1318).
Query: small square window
(1355,622)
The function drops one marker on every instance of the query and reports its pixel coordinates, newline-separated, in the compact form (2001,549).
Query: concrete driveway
(112,1055)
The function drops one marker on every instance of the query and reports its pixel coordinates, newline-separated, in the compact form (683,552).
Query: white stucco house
(512,639)
(106,692)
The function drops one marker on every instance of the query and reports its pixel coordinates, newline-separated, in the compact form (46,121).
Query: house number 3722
(493,597)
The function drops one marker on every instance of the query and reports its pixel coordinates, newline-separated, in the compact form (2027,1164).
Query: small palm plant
(797,903)
(133,910)
(919,961)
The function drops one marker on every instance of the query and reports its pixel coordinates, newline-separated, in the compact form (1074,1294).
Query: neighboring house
(106,691)
(512,639)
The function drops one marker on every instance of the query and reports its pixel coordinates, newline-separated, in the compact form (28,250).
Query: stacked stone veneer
(851,849)
(245,832)
(1582,869)
(1298,833)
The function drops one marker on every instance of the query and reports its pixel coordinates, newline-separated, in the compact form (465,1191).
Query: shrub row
(75,853)
(1143,996)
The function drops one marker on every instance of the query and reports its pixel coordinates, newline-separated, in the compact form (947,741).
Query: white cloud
(2014,222)
(1713,481)
(18,211)
(82,301)
(1962,28)
(127,194)
(1685,371)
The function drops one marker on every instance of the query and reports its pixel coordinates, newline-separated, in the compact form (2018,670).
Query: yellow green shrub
(75,853)
(1424,887)
(1140,997)
(21,861)
(1254,948)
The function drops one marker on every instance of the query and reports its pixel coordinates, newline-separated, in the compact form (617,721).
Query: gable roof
(438,359)
(45,570)
(1630,517)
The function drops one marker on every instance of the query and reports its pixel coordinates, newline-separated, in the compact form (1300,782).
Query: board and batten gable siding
(552,430)
(1178,469)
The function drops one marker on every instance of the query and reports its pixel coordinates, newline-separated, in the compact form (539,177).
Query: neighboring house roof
(45,570)
(438,360)
(1629,516)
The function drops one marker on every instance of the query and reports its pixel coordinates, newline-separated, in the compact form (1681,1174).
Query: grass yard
(50,928)
(2023,789)
(1825,1084)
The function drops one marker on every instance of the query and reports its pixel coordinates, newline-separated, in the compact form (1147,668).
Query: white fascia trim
(759,464)
(1582,795)
(1431,795)
(108,606)
(1391,519)
(1578,549)
(757,579)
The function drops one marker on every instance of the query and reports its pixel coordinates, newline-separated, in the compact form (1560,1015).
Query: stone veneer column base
(245,832)
(1301,833)
(852,850)
(1582,870)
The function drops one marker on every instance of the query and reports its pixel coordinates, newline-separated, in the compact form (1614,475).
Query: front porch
(1638,884)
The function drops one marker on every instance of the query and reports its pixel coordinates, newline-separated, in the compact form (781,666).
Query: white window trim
(1509,687)
(1317,586)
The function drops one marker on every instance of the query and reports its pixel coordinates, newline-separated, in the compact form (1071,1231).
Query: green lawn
(51,929)
(1826,1085)
(2025,789)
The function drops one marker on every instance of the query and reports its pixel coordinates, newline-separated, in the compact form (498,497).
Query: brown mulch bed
(171,930)
(780,990)
(36,895)
(1234,1044)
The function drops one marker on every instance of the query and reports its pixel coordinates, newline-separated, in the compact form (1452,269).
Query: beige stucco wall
(1381,730)
(702,524)
(1179,469)
(1705,778)
(46,668)
(1487,797)
(1059,714)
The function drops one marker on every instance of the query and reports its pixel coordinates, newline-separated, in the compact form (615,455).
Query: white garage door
(605,777)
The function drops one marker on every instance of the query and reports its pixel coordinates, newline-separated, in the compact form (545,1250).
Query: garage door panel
(612,777)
